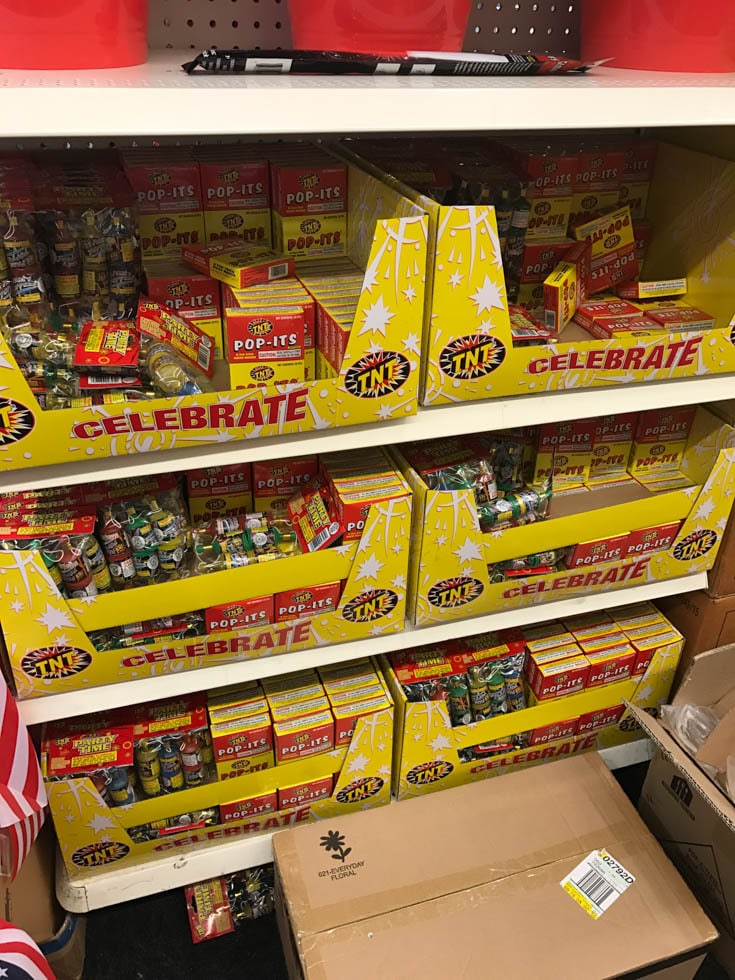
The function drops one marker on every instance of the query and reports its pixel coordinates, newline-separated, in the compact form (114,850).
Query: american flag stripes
(20,958)
(22,793)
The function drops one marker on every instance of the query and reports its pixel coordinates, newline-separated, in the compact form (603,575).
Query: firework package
(222,905)
(119,534)
(485,704)
(249,757)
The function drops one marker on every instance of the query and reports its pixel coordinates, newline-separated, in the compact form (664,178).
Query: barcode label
(278,271)
(550,319)
(204,357)
(322,537)
(597,882)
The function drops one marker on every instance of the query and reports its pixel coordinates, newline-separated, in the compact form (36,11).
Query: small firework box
(274,482)
(374,570)
(469,349)
(190,295)
(428,751)
(376,381)
(449,572)
(235,194)
(94,836)
(218,491)
(236,265)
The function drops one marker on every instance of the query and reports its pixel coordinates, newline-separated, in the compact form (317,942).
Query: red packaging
(604,328)
(298,738)
(541,258)
(549,174)
(313,518)
(264,336)
(562,677)
(190,295)
(164,187)
(208,909)
(611,665)
(593,721)
(236,185)
(594,310)
(281,478)
(250,807)
(237,615)
(111,345)
(185,337)
(185,714)
(643,232)
(609,270)
(347,714)
(240,738)
(660,424)
(551,733)
(294,603)
(683,318)
(646,539)
(309,792)
(309,188)
(596,552)
(237,265)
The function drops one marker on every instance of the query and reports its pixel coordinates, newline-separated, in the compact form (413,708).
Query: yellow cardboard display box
(93,835)
(378,380)
(426,748)
(467,343)
(449,576)
(50,652)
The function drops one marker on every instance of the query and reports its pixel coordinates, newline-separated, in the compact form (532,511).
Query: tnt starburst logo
(360,789)
(16,421)
(474,356)
(377,375)
(429,772)
(695,545)
(93,855)
(370,605)
(55,662)
(453,592)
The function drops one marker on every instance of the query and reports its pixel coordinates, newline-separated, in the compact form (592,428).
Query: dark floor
(150,940)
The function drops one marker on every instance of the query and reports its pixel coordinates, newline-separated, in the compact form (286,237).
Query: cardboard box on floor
(30,903)
(468,882)
(704,622)
(687,811)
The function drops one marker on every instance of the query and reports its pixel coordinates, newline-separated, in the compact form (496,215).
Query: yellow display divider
(50,652)
(378,380)
(449,576)
(93,835)
(468,348)
(426,747)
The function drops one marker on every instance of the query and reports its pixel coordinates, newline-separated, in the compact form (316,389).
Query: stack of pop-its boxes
(215,205)
(589,651)
(286,719)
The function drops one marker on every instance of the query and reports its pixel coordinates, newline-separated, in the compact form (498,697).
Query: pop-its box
(190,295)
(556,730)
(162,236)
(274,481)
(598,551)
(564,452)
(301,793)
(610,665)
(648,539)
(219,491)
(660,439)
(611,445)
(294,603)
(232,184)
(318,187)
(252,227)
(235,265)
(249,807)
(297,738)
(562,677)
(566,287)
(541,258)
(273,336)
(347,713)
(236,615)
(163,184)
(238,738)
(593,721)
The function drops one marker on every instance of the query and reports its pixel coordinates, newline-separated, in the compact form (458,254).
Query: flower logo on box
(453,592)
(16,421)
(55,662)
(472,357)
(360,789)
(93,855)
(695,545)
(377,375)
(429,772)
(370,605)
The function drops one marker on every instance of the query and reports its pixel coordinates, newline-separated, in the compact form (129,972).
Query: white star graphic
(375,348)
(440,742)
(54,619)
(410,293)
(468,551)
(441,541)
(358,764)
(488,297)
(88,599)
(370,568)
(62,641)
(385,412)
(397,548)
(17,606)
(455,279)
(704,510)
(369,281)
(377,317)
(384,771)
(100,822)
(721,524)
(377,630)
(343,549)
(412,343)
(399,582)
(3,972)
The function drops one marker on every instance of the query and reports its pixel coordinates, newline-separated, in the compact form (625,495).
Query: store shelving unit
(158,102)
(178,869)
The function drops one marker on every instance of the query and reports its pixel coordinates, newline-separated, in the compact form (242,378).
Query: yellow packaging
(239,709)
(162,236)
(548,218)
(531,295)
(254,227)
(634,194)
(542,644)
(656,459)
(608,234)
(298,708)
(272,373)
(309,364)
(349,694)
(310,236)
(588,203)
(296,681)
(654,289)
(231,768)
(637,614)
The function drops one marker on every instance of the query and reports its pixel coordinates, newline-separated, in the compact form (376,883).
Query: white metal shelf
(430,423)
(81,702)
(176,870)
(159,99)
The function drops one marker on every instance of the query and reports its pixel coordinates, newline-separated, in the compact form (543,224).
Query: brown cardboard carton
(689,812)
(705,623)
(722,576)
(405,894)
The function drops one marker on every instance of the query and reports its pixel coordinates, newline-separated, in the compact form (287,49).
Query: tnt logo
(229,176)
(453,592)
(233,221)
(283,470)
(310,226)
(695,545)
(612,242)
(550,168)
(429,772)
(564,429)
(601,452)
(180,288)
(370,605)
(377,375)
(232,611)
(588,203)
(304,596)
(94,855)
(260,328)
(599,549)
(161,179)
(165,225)
(658,450)
(680,789)
(262,374)
(16,421)
(547,255)
(55,663)
(474,356)
(360,789)
(309,181)
(216,504)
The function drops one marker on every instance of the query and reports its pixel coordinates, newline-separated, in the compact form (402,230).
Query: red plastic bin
(379,26)
(660,35)
(73,34)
